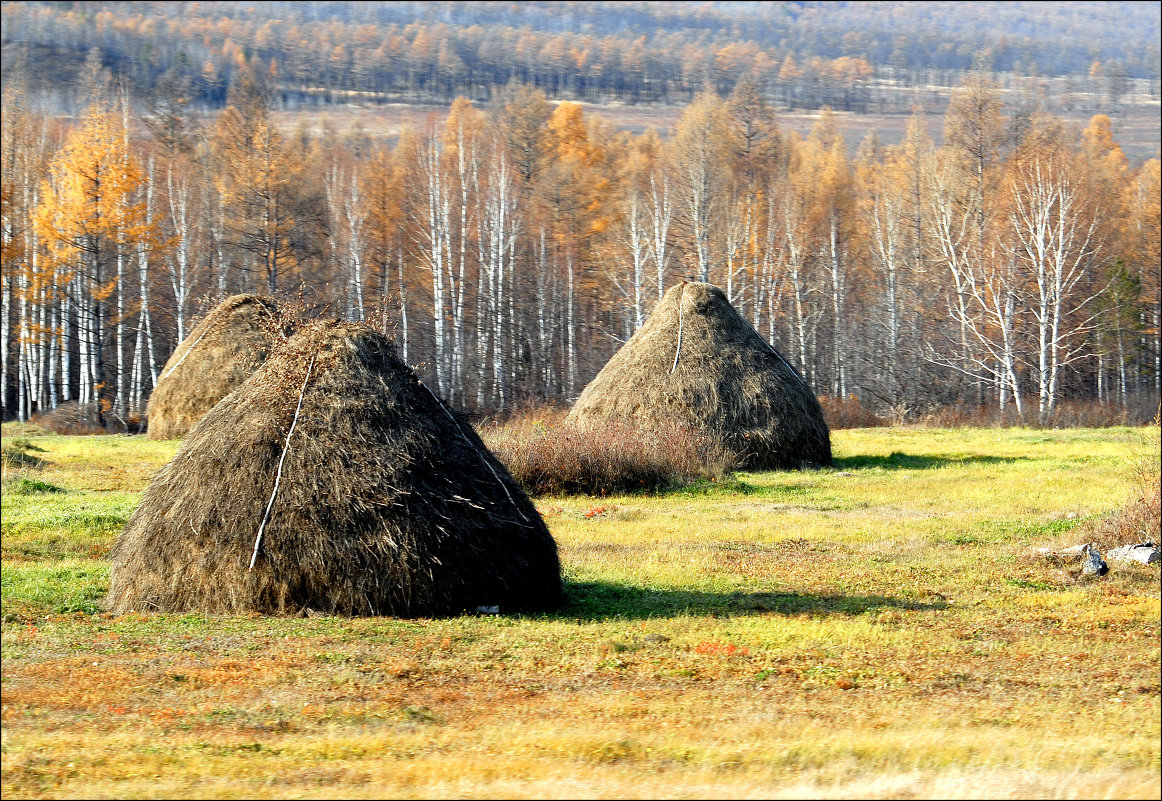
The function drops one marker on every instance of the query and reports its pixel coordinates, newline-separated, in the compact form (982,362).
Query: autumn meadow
(586,400)
(883,628)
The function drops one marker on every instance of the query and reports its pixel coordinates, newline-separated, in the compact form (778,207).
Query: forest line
(849,57)
(510,251)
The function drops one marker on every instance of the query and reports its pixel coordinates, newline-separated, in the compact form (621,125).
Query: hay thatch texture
(697,362)
(211,362)
(379,502)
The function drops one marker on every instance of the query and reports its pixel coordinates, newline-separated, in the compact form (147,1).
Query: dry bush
(1140,519)
(20,453)
(849,413)
(71,418)
(1091,414)
(1066,414)
(548,456)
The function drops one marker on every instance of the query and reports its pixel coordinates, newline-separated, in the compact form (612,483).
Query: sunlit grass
(880,629)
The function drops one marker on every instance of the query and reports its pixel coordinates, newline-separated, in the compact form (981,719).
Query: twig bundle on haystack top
(697,362)
(211,362)
(334,481)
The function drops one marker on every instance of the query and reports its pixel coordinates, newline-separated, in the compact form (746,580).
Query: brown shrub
(1140,519)
(848,413)
(549,456)
(71,418)
(1066,414)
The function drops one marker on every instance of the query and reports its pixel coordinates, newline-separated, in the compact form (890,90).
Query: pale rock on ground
(1146,553)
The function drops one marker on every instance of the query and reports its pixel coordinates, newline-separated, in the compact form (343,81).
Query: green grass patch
(730,484)
(21,485)
(57,587)
(56,524)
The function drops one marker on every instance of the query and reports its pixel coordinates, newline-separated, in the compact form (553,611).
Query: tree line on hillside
(847,56)
(511,252)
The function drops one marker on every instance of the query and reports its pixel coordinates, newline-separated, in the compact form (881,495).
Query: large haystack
(364,493)
(217,356)
(697,362)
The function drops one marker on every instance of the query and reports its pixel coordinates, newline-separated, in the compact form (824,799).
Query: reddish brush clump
(550,457)
(1140,518)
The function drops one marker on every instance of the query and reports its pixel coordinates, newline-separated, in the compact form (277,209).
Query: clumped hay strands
(212,361)
(387,503)
(697,362)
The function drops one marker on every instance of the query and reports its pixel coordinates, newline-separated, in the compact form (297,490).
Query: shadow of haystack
(211,362)
(697,362)
(333,480)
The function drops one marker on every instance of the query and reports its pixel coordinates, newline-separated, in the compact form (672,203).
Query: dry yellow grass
(882,629)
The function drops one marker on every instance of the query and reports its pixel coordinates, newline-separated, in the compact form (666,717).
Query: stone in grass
(1092,563)
(1146,553)
(1073,552)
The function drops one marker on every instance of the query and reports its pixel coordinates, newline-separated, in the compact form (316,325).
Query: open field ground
(880,629)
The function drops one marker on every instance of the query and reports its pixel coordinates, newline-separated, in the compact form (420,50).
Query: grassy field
(881,629)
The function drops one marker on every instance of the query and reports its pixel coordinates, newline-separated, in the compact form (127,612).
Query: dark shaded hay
(221,352)
(388,504)
(727,383)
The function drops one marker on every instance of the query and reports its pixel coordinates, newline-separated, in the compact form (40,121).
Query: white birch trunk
(570,331)
(661,212)
(122,378)
(1058,243)
(67,336)
(403,308)
(838,280)
(178,261)
(357,235)
(7,287)
(434,249)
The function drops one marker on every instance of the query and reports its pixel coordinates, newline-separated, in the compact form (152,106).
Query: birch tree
(794,238)
(462,136)
(348,218)
(1055,239)
(699,162)
(432,216)
(499,227)
(831,211)
(28,285)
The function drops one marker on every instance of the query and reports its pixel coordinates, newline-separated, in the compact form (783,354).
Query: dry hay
(371,498)
(697,362)
(211,362)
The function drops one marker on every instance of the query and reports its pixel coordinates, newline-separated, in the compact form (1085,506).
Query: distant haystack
(217,356)
(348,486)
(697,362)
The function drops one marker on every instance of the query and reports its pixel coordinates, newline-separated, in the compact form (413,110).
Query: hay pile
(371,497)
(217,356)
(697,362)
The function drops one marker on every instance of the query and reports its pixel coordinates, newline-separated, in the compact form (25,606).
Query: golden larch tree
(90,224)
